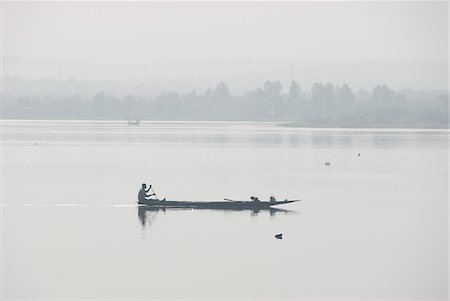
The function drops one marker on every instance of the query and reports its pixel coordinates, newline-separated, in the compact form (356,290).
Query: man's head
(143,185)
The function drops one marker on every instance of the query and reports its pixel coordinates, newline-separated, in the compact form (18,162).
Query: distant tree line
(325,105)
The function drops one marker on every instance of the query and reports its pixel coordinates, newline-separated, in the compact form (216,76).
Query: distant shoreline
(286,124)
(365,126)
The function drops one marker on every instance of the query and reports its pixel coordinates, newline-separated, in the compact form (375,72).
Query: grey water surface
(372,224)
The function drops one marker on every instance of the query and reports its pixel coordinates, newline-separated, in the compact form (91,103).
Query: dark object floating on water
(134,122)
(359,154)
(228,204)
(279,236)
(327,163)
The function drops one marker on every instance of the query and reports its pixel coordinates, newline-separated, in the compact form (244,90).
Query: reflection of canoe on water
(225,205)
(148,209)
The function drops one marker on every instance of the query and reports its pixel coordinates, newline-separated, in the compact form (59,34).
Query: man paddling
(143,193)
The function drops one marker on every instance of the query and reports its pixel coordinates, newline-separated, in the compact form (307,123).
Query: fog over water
(341,105)
(370,225)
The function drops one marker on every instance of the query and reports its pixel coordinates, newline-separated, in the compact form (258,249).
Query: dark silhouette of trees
(98,105)
(322,101)
(294,105)
(273,103)
(294,92)
(220,101)
(325,105)
(383,95)
(345,101)
(221,92)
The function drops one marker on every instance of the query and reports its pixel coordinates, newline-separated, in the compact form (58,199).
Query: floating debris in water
(279,236)
(327,163)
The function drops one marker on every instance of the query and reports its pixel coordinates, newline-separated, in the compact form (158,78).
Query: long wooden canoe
(230,205)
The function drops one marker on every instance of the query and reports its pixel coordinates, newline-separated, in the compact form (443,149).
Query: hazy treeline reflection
(322,105)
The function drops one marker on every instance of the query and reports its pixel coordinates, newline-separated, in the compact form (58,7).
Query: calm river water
(372,224)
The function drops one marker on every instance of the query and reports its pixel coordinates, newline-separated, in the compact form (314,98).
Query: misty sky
(183,46)
(114,32)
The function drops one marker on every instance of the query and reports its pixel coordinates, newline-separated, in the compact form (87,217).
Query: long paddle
(228,200)
(154,193)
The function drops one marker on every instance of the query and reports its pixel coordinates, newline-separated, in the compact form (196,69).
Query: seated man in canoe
(142,196)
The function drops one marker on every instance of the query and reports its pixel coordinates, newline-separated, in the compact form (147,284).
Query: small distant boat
(226,205)
(134,122)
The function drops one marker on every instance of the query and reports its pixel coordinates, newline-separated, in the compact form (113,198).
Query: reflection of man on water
(143,193)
